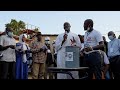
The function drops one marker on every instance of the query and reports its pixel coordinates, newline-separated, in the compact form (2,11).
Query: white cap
(47,38)
(53,41)
(25,35)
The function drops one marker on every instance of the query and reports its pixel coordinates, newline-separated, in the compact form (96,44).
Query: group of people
(102,57)
(15,57)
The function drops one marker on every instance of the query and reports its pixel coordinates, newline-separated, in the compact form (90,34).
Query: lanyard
(88,33)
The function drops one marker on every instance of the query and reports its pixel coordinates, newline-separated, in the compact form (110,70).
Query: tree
(17,26)
(36,29)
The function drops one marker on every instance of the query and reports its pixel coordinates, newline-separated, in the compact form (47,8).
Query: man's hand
(81,54)
(24,51)
(12,46)
(100,46)
(82,51)
(64,38)
(72,41)
(41,49)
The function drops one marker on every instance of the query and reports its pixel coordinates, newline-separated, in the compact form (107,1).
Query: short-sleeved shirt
(106,61)
(8,54)
(93,38)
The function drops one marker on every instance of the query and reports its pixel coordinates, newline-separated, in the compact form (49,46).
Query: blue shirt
(114,48)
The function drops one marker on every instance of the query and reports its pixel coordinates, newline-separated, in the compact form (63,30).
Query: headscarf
(24,47)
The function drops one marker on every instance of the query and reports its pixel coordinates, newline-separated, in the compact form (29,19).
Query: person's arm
(35,50)
(28,49)
(44,49)
(78,42)
(100,46)
(2,47)
(119,44)
(108,52)
(32,49)
(59,42)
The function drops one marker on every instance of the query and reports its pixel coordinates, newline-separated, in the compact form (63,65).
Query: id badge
(111,50)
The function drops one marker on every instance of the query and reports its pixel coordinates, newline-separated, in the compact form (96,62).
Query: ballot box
(72,57)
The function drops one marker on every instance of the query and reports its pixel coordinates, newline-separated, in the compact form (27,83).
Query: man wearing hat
(39,54)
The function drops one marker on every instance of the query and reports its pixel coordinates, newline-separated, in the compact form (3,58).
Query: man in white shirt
(65,39)
(7,62)
(92,37)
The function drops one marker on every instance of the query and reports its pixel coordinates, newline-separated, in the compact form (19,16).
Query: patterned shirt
(37,55)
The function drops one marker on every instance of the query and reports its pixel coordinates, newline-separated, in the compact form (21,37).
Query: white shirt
(67,42)
(106,61)
(93,38)
(8,54)
(61,51)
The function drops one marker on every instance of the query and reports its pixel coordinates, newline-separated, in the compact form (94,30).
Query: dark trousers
(7,70)
(115,66)
(96,70)
(55,64)
(82,63)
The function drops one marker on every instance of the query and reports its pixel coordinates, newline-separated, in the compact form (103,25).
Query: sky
(51,22)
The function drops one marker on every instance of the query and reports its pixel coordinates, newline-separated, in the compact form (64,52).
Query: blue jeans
(107,75)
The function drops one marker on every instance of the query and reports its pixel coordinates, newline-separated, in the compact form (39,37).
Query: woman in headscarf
(21,58)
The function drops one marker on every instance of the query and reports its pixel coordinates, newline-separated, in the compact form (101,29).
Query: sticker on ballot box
(69,56)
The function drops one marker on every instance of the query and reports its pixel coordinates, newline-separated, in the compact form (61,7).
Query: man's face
(23,39)
(86,24)
(67,27)
(110,34)
(47,41)
(39,37)
(10,32)
(104,38)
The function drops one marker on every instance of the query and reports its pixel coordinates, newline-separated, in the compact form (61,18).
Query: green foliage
(36,29)
(17,26)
